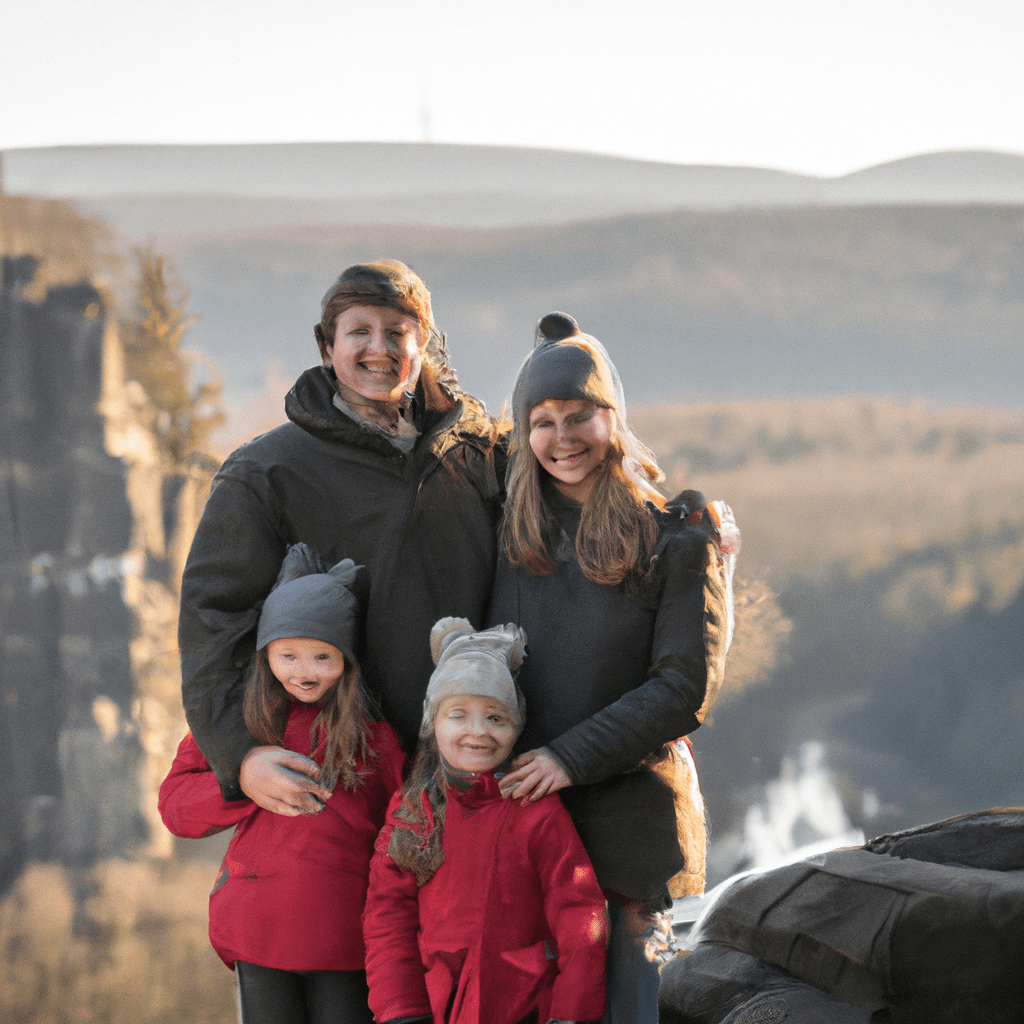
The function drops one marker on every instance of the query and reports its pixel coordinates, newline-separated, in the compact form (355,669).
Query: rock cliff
(94,527)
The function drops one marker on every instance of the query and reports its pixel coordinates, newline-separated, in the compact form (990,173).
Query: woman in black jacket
(384,461)
(625,612)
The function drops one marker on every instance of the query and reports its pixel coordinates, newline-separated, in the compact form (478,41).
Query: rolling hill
(919,301)
(165,190)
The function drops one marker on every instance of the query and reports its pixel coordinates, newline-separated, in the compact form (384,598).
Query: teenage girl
(479,909)
(285,911)
(626,610)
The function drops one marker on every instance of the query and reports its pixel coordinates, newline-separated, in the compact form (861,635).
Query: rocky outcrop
(93,532)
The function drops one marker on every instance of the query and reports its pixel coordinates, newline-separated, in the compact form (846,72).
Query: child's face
(474,734)
(570,440)
(308,669)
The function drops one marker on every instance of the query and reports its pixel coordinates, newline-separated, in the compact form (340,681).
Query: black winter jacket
(612,673)
(423,524)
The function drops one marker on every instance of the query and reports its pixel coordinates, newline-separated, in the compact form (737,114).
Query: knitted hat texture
(568,365)
(311,600)
(479,664)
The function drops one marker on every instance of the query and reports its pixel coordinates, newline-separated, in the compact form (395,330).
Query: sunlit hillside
(849,380)
(893,535)
(912,302)
(69,245)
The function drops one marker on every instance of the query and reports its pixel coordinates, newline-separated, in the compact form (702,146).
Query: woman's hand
(534,774)
(282,781)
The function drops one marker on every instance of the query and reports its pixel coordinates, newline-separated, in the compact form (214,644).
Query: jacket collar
(310,405)
(481,789)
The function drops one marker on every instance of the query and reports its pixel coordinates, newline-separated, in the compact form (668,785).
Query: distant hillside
(162,190)
(920,302)
(904,279)
(893,535)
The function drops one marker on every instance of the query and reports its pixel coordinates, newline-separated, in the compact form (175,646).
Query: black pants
(269,996)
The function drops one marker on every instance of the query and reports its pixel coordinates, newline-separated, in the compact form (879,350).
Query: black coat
(612,673)
(422,523)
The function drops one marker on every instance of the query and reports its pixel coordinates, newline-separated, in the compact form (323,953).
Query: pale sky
(819,86)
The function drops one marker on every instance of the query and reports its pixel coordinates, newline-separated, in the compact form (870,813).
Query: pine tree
(186,413)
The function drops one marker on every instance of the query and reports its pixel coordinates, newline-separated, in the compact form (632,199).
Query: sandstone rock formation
(94,527)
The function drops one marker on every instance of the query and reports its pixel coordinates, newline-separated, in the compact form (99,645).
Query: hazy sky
(820,86)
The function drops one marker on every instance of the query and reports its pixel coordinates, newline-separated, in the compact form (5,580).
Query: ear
(323,343)
(517,645)
(446,630)
(300,560)
(424,337)
(345,572)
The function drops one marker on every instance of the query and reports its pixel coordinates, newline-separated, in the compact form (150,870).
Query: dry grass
(120,942)
(858,484)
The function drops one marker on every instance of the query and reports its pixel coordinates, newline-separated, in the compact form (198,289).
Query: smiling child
(479,909)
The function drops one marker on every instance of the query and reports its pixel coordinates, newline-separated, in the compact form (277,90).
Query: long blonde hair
(341,726)
(617,531)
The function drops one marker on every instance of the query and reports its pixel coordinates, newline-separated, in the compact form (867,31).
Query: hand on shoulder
(534,774)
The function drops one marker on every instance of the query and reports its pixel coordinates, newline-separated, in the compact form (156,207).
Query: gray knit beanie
(566,365)
(480,664)
(311,600)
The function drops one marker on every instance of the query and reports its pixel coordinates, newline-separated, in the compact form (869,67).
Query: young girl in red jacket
(480,910)
(285,910)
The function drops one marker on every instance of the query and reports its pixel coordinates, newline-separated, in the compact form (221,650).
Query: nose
(304,671)
(378,341)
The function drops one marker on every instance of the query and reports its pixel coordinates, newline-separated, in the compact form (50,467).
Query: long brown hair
(617,532)
(416,840)
(341,726)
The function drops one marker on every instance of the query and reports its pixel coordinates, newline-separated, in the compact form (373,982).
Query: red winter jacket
(290,892)
(513,920)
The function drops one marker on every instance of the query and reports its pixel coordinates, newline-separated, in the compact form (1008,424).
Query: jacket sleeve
(686,668)
(391,924)
(574,908)
(190,800)
(235,557)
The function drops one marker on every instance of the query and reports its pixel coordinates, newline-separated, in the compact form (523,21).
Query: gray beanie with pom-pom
(480,664)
